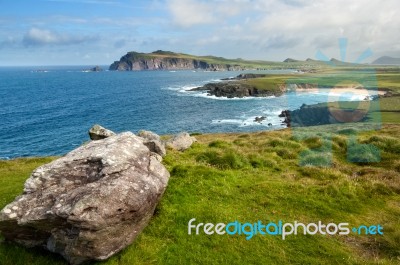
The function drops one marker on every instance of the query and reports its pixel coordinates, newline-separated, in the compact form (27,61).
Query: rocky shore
(235,90)
(237,87)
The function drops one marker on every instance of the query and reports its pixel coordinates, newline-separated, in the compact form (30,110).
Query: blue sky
(89,32)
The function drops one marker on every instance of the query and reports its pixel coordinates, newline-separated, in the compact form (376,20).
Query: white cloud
(187,13)
(301,27)
(41,37)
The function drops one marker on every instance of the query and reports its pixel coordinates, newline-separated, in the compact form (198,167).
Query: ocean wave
(205,95)
(270,121)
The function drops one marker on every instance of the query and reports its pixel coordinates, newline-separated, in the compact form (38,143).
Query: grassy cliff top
(267,176)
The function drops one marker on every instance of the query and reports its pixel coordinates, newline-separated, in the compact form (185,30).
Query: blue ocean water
(48,112)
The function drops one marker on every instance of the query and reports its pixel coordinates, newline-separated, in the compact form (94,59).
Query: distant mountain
(387,60)
(290,60)
(337,62)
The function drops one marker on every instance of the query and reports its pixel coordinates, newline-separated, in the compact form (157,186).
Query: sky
(98,32)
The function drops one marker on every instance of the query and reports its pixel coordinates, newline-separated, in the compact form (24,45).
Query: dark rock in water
(269,124)
(98,132)
(284,114)
(181,141)
(153,142)
(94,69)
(260,119)
(89,204)
(234,90)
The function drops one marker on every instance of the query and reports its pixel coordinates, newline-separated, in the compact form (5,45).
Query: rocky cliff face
(133,61)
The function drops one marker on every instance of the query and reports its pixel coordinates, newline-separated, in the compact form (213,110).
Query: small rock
(260,119)
(98,132)
(181,141)
(153,142)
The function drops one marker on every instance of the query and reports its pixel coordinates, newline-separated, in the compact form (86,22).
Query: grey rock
(181,141)
(148,135)
(89,204)
(98,132)
(153,142)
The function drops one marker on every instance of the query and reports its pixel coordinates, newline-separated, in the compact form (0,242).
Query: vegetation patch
(268,176)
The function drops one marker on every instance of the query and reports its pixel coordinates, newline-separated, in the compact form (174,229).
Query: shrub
(219,144)
(286,154)
(363,153)
(227,160)
(261,162)
(386,143)
(348,131)
(315,158)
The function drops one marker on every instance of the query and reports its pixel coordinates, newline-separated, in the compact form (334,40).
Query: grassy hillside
(257,176)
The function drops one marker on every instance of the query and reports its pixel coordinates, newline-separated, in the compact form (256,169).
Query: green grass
(257,176)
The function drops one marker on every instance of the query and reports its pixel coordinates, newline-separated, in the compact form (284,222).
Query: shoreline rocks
(234,89)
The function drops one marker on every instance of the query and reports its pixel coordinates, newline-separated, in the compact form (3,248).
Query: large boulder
(181,141)
(153,142)
(89,204)
(98,132)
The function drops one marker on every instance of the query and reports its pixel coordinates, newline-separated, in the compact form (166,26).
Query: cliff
(252,85)
(163,60)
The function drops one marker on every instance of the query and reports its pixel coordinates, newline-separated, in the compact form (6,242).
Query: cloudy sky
(88,32)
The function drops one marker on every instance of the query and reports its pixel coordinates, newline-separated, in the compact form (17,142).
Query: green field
(257,176)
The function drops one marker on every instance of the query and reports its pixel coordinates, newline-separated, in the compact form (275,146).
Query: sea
(46,111)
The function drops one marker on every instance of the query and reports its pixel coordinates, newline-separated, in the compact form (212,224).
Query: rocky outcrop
(93,69)
(319,114)
(237,87)
(235,90)
(89,204)
(153,142)
(245,76)
(161,60)
(181,141)
(98,132)
(96,69)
